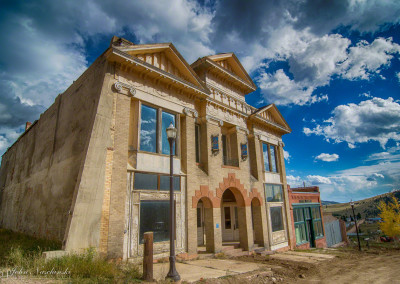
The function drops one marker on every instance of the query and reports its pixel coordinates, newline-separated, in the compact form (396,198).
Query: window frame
(273,191)
(158,182)
(269,145)
(159,140)
(280,206)
(140,232)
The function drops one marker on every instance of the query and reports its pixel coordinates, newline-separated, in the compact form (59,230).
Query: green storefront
(307,223)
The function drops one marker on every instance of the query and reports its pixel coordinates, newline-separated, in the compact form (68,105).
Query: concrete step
(238,253)
(263,252)
(233,251)
(227,248)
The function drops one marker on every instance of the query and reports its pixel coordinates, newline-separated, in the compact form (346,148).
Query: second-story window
(153,125)
(230,150)
(167,119)
(270,158)
(148,129)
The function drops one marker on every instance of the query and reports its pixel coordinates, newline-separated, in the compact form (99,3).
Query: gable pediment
(272,115)
(166,58)
(231,63)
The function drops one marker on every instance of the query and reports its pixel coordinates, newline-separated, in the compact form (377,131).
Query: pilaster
(119,177)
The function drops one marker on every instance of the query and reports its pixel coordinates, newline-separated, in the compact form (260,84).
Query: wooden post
(148,257)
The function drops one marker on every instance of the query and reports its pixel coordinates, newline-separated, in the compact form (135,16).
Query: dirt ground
(350,266)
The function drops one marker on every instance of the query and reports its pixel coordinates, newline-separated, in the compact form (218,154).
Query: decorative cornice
(224,95)
(210,117)
(243,129)
(162,73)
(119,85)
(189,111)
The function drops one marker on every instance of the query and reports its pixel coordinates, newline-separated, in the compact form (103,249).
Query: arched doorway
(256,219)
(229,217)
(205,228)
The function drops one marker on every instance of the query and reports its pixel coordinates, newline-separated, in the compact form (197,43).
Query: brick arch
(231,182)
(204,193)
(254,194)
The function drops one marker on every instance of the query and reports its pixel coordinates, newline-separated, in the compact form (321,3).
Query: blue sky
(331,67)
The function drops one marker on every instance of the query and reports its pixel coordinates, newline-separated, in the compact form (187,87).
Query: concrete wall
(83,228)
(40,171)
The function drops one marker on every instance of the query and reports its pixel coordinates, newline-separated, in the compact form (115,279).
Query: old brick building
(307,219)
(93,170)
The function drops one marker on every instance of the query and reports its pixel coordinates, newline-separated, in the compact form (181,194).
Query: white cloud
(398,76)
(286,155)
(391,154)
(327,157)
(317,180)
(376,119)
(294,181)
(364,60)
(281,90)
(7,137)
(315,60)
(46,48)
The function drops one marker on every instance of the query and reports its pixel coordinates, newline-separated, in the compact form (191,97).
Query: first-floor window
(319,232)
(316,216)
(273,192)
(146,181)
(300,225)
(276,218)
(300,231)
(154,217)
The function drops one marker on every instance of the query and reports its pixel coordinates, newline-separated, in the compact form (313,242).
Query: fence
(333,233)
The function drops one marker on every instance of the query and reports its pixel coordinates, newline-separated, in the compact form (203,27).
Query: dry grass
(24,253)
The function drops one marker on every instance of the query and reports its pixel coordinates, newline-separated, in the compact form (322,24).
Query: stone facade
(82,173)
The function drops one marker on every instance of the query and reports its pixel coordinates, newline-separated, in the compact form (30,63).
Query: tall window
(197,141)
(274,202)
(299,226)
(167,119)
(270,158)
(316,216)
(276,218)
(153,130)
(154,217)
(229,150)
(148,129)
(273,192)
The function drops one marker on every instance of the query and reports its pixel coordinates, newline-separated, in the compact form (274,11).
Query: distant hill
(328,202)
(368,208)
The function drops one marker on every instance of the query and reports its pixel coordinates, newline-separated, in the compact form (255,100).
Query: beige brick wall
(105,210)
(119,178)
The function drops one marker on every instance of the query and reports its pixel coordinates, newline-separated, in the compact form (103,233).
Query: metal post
(355,222)
(173,273)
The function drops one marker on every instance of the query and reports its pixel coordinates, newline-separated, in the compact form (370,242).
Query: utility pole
(355,222)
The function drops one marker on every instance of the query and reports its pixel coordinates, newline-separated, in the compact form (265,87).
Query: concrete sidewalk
(307,257)
(195,270)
